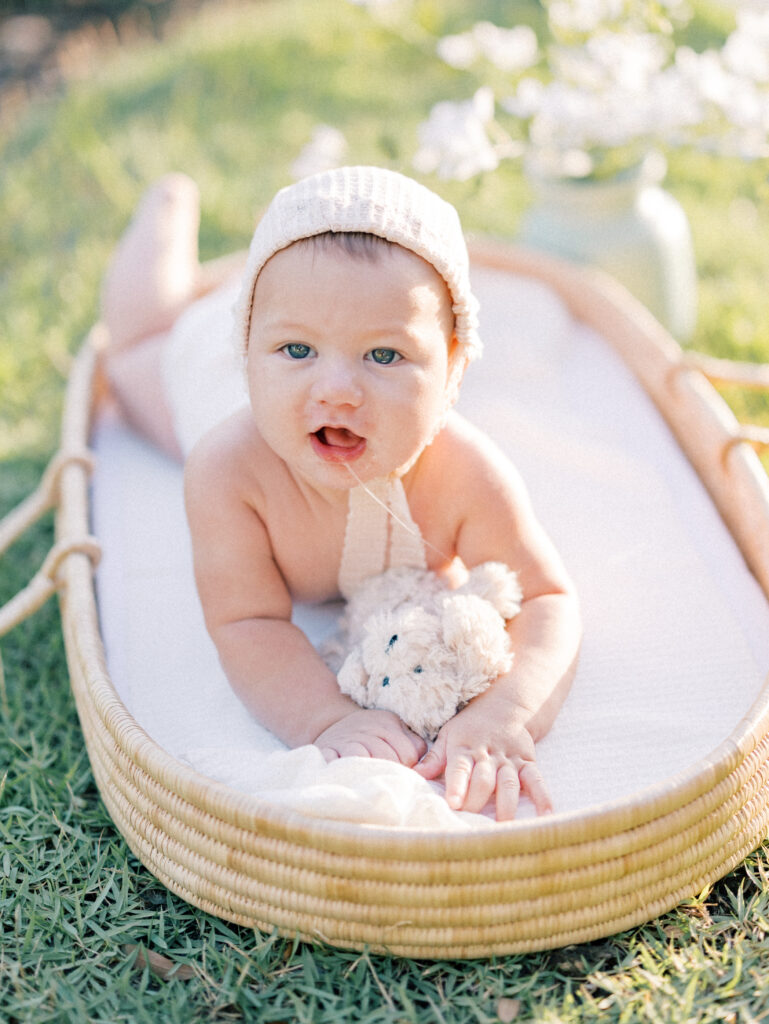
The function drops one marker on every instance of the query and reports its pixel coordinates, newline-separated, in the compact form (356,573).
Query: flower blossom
(746,51)
(611,83)
(326,149)
(509,49)
(585,16)
(740,101)
(453,141)
(610,93)
(624,60)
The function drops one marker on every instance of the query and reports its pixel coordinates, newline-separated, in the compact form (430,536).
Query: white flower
(453,141)
(459,51)
(673,104)
(746,51)
(509,49)
(609,97)
(611,59)
(583,15)
(742,102)
(326,149)
(527,100)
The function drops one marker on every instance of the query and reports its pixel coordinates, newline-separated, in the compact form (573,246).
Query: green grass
(231,100)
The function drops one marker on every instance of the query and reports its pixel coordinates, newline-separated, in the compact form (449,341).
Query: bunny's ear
(352,678)
(498,585)
(470,622)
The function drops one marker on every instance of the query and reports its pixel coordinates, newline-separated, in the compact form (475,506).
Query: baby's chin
(348,475)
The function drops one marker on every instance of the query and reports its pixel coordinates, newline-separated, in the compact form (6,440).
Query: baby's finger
(434,761)
(508,792)
(350,748)
(483,781)
(533,784)
(408,747)
(458,773)
(385,749)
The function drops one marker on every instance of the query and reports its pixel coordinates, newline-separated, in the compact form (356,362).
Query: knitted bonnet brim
(378,202)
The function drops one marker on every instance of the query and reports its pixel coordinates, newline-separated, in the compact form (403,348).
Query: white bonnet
(378,202)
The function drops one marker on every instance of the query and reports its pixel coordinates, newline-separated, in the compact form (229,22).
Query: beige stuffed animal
(421,650)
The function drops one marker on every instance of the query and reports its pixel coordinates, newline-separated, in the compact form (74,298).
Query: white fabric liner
(676,642)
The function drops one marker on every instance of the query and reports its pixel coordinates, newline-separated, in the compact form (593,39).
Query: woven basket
(529,885)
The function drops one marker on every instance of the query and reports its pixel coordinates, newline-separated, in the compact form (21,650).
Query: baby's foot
(154,272)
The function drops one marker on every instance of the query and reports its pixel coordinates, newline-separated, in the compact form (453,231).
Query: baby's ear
(457,364)
(456,358)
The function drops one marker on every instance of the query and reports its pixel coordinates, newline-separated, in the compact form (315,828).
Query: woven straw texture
(527,886)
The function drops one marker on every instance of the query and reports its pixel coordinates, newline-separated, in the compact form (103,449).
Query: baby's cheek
(422,411)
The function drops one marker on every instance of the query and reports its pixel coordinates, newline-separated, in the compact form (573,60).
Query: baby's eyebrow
(285,325)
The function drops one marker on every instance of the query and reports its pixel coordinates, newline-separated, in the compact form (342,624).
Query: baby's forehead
(368,248)
(373,261)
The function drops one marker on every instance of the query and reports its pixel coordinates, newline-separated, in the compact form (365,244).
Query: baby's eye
(384,356)
(296,350)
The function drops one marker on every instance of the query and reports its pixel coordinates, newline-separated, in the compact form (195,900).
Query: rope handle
(750,433)
(46,580)
(752,376)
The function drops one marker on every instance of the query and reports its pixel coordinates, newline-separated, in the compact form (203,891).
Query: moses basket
(523,886)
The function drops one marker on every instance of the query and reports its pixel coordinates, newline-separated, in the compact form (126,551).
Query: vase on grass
(627,225)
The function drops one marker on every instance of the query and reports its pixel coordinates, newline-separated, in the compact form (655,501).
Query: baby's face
(348,360)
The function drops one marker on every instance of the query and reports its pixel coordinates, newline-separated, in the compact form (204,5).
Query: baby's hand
(371,733)
(482,757)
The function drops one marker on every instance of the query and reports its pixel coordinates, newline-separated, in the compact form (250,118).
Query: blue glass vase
(627,225)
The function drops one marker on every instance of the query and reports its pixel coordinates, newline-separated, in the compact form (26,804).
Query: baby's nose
(337,382)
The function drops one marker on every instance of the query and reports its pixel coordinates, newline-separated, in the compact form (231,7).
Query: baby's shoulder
(462,451)
(229,456)
(468,477)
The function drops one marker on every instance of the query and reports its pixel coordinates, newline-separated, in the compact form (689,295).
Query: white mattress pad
(676,630)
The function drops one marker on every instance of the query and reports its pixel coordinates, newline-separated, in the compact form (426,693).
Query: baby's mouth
(337,444)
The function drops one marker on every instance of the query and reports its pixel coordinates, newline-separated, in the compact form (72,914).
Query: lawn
(231,99)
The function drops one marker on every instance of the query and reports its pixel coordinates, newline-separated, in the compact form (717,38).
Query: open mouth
(337,444)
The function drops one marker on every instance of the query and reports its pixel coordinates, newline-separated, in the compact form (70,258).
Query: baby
(354,324)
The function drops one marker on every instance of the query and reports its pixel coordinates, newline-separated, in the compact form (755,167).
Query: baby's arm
(489,747)
(269,662)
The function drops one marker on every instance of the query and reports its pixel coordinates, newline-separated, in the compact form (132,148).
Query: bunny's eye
(386,681)
(417,669)
(392,640)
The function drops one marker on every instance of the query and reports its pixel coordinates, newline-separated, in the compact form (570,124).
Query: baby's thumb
(434,761)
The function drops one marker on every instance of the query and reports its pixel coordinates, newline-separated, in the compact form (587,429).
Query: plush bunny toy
(423,651)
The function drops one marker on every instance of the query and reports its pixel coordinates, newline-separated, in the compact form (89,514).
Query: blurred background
(654,110)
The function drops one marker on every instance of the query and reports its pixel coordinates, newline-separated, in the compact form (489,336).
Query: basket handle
(752,376)
(46,580)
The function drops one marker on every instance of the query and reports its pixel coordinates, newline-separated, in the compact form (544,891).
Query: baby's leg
(153,276)
(154,271)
